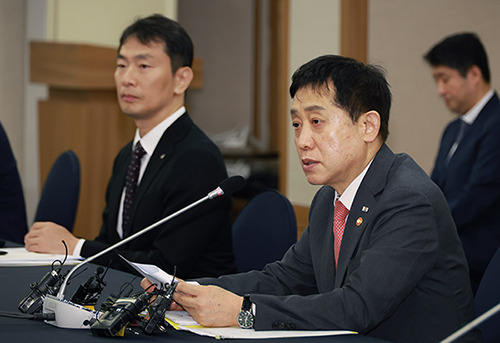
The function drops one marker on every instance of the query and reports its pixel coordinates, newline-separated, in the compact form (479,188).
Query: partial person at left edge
(13,222)
(178,165)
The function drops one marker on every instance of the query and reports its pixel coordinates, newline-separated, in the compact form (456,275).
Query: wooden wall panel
(95,131)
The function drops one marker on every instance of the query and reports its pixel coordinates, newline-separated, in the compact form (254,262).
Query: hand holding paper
(209,305)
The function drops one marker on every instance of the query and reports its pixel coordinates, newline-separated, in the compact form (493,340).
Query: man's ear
(182,78)
(474,73)
(370,125)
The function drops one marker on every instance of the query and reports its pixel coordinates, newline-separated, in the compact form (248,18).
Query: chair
(263,231)
(487,296)
(59,199)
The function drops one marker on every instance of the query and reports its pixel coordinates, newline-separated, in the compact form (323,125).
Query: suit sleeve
(402,248)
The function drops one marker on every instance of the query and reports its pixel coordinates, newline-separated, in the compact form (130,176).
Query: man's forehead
(321,91)
(145,45)
(441,70)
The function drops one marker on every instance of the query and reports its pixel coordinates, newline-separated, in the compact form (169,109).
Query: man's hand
(149,287)
(47,237)
(210,306)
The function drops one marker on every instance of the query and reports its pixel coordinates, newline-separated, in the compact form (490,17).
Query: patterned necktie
(131,184)
(339,215)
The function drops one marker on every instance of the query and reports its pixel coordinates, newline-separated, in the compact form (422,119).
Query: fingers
(176,307)
(47,237)
(188,288)
(38,226)
(147,285)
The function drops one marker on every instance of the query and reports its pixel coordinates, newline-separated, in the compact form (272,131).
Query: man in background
(169,164)
(381,255)
(467,166)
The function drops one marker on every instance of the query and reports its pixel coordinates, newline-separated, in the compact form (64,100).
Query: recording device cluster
(147,309)
(88,294)
(126,310)
(117,312)
(49,284)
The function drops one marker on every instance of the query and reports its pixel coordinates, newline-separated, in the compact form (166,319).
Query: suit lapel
(115,193)
(324,248)
(362,209)
(161,156)
(473,133)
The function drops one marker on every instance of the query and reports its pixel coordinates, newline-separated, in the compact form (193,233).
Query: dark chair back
(488,296)
(59,199)
(263,231)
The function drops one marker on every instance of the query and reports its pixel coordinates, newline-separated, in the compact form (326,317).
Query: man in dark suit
(176,164)
(13,223)
(467,166)
(393,268)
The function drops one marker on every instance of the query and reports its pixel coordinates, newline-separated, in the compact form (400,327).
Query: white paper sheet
(151,272)
(19,257)
(181,320)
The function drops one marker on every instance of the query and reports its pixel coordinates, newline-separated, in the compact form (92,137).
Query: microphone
(228,186)
(72,315)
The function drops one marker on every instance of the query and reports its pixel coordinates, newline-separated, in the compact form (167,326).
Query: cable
(35,316)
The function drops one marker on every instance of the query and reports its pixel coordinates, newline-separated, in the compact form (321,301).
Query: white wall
(223,37)
(100,21)
(314,31)
(36,24)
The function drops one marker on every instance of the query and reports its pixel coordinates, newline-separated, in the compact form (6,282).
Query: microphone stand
(74,316)
(215,193)
(466,328)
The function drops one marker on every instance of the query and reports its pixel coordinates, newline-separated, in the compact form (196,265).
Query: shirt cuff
(78,248)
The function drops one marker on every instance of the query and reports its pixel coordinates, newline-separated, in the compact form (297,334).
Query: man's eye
(316,121)
(144,66)
(295,125)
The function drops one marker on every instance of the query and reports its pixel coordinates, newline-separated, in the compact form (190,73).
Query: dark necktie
(339,215)
(460,134)
(131,184)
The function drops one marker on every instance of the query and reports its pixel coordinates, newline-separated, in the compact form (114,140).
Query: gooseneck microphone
(226,187)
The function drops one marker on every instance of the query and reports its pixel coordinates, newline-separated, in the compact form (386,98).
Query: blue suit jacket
(402,274)
(471,185)
(184,167)
(13,223)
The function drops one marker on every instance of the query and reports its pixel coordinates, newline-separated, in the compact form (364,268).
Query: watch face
(245,319)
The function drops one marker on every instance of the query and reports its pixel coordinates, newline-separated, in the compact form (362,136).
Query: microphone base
(68,315)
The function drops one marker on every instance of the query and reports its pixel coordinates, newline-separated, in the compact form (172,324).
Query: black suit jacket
(471,184)
(184,167)
(401,276)
(13,222)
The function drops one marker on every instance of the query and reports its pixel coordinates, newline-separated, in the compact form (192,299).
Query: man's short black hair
(461,52)
(157,28)
(357,88)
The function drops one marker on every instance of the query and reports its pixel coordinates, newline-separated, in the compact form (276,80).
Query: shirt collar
(151,139)
(472,114)
(347,197)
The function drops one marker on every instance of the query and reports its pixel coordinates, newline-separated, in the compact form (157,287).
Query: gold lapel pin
(359,221)
(162,156)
